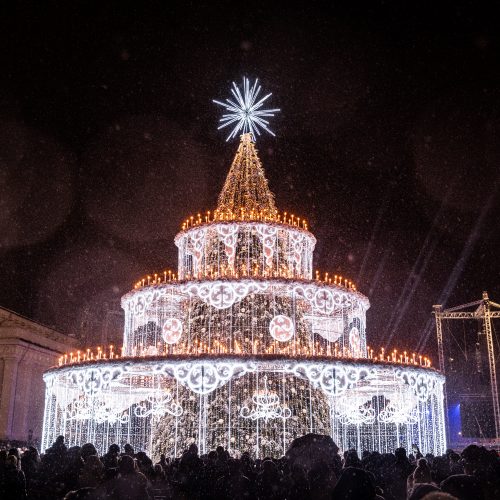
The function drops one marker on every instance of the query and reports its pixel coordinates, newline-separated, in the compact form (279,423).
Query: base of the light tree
(258,404)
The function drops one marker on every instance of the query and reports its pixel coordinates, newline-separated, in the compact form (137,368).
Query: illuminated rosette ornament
(171,330)
(281,328)
(355,337)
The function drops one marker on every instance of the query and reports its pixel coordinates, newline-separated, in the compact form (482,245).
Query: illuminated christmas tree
(244,347)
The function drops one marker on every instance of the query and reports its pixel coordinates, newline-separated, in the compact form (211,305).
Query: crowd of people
(307,472)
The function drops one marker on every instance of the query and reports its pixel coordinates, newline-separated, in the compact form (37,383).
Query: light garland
(335,280)
(243,215)
(156,279)
(92,355)
(231,273)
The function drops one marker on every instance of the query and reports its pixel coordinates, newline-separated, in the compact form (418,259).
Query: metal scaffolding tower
(482,312)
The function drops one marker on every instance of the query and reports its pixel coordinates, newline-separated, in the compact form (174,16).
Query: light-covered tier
(245,248)
(245,316)
(257,404)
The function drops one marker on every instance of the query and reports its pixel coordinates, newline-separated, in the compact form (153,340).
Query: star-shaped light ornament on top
(245,112)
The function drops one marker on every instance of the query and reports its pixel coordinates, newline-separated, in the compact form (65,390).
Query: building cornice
(9,319)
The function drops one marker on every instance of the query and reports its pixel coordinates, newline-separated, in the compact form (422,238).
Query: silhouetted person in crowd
(463,486)
(15,453)
(53,471)
(268,482)
(234,484)
(455,466)
(397,475)
(130,484)
(209,476)
(86,450)
(71,467)
(351,459)
(421,474)
(30,462)
(298,484)
(322,480)
(58,448)
(484,465)
(158,478)
(187,476)
(355,484)
(248,467)
(30,465)
(13,483)
(110,461)
(81,494)
(420,490)
(163,462)
(91,474)
(416,452)
(128,450)
(144,464)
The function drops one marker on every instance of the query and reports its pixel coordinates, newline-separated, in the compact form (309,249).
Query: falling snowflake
(244,112)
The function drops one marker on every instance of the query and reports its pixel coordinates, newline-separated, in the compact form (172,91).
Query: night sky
(387,143)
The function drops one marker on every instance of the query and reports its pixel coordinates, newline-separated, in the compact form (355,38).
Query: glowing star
(244,112)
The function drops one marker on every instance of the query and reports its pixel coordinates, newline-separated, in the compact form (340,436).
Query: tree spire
(246,192)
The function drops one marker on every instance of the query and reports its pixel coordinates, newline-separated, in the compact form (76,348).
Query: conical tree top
(246,193)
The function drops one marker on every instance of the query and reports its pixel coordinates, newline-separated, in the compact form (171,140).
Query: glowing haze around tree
(245,112)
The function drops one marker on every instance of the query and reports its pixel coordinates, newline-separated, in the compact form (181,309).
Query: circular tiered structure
(244,348)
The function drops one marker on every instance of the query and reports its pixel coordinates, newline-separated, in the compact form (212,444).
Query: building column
(8,393)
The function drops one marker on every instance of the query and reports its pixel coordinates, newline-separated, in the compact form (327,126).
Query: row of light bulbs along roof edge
(229,272)
(200,348)
(245,215)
